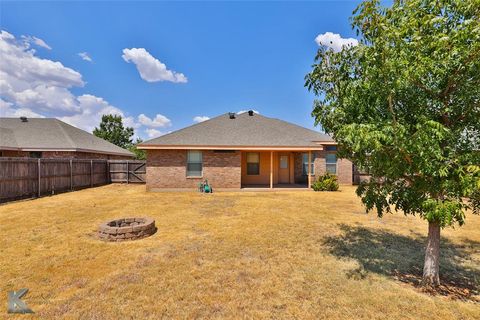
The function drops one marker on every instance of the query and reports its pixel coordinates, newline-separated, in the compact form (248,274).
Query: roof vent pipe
(231,115)
(250,113)
(24,119)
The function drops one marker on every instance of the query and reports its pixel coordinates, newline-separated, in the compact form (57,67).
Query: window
(35,154)
(331,160)
(305,164)
(331,148)
(194,164)
(253,163)
(283,162)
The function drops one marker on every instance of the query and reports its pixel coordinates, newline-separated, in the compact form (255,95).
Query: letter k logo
(15,305)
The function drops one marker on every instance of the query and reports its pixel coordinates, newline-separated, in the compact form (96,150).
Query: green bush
(327,182)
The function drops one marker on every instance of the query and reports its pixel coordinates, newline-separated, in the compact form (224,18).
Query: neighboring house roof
(48,134)
(243,132)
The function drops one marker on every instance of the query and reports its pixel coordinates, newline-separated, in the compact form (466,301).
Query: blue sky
(219,57)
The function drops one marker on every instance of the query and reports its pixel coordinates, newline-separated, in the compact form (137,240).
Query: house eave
(9,148)
(28,149)
(240,148)
(326,143)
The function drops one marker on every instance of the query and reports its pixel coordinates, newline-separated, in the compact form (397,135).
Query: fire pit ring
(126,229)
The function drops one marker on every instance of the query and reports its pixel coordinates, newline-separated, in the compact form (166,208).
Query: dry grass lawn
(285,255)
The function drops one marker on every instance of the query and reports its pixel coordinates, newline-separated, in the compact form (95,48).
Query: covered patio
(276,169)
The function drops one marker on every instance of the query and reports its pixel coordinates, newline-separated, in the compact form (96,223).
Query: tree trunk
(431,268)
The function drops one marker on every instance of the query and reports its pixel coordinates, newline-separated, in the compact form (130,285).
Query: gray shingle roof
(52,134)
(244,131)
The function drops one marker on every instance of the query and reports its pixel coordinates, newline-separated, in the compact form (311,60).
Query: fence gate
(127,171)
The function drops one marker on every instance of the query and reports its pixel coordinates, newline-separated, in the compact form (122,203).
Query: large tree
(404,105)
(111,129)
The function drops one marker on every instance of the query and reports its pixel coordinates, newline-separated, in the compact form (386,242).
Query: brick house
(235,151)
(52,138)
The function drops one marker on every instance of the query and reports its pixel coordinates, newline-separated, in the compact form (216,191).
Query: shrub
(327,182)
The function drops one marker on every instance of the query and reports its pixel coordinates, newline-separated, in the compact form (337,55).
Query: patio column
(271,169)
(309,169)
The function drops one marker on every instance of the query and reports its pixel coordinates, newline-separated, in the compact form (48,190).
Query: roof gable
(243,131)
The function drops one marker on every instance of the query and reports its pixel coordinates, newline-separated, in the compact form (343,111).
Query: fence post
(128,173)
(91,173)
(71,175)
(107,172)
(39,182)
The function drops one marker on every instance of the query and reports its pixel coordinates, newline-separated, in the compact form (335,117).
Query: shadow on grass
(401,257)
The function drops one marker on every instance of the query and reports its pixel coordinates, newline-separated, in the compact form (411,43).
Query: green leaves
(111,129)
(139,154)
(447,212)
(326,182)
(404,105)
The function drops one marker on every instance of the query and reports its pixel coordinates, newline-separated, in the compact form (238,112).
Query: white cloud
(153,133)
(159,121)
(31,82)
(35,87)
(37,41)
(150,68)
(334,41)
(19,61)
(243,111)
(41,97)
(5,105)
(91,110)
(200,118)
(131,122)
(85,56)
(7,110)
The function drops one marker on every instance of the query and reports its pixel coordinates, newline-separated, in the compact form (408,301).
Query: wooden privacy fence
(28,177)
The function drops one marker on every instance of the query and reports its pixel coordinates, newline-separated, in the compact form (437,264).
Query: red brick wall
(14,154)
(64,155)
(72,155)
(345,171)
(168,169)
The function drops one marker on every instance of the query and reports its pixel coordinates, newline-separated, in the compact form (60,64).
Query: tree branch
(426,89)
(390,106)
(450,83)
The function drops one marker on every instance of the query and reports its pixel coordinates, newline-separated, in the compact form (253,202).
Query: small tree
(405,106)
(111,129)
(139,154)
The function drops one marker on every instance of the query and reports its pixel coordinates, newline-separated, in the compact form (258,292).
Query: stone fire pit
(126,229)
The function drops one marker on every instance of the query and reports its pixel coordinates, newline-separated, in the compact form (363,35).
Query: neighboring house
(52,138)
(242,150)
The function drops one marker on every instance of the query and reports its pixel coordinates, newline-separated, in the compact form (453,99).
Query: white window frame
(305,164)
(194,162)
(331,163)
(258,163)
